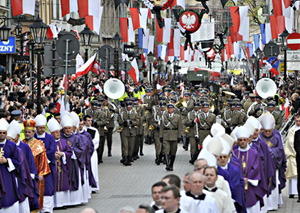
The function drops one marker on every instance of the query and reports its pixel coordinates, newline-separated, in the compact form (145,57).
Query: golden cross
(1,152)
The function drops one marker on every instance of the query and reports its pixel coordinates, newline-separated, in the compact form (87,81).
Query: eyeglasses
(3,133)
(223,157)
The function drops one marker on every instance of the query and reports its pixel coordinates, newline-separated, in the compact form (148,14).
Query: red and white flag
(271,69)
(84,69)
(94,21)
(52,31)
(20,7)
(68,6)
(134,72)
(179,3)
(89,8)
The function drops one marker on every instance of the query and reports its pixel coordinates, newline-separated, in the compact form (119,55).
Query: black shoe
(291,196)
(127,161)
(167,162)
(157,161)
(141,154)
(100,161)
(109,154)
(298,201)
(122,160)
(172,160)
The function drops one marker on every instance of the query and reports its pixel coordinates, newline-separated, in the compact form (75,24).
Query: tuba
(180,103)
(266,87)
(114,88)
(227,95)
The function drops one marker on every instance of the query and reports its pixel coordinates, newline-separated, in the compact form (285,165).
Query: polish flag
(52,31)
(134,72)
(271,69)
(94,22)
(89,8)
(84,69)
(68,6)
(135,18)
(20,7)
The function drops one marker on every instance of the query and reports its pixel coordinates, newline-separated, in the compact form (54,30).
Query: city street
(130,186)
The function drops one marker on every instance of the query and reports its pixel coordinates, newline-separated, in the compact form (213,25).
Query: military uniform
(256,109)
(129,121)
(110,126)
(206,120)
(243,115)
(140,131)
(231,119)
(99,121)
(149,101)
(170,133)
(276,114)
(193,133)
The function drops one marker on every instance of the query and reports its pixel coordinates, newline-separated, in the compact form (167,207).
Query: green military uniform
(206,120)
(231,119)
(99,121)
(257,109)
(156,122)
(140,131)
(170,133)
(249,102)
(110,126)
(193,132)
(129,121)
(276,114)
(243,115)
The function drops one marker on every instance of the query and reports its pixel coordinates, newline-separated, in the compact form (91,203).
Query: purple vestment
(49,143)
(9,178)
(251,170)
(62,170)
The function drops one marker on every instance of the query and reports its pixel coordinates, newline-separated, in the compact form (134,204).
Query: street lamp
(117,39)
(284,35)
(39,32)
(86,35)
(4,32)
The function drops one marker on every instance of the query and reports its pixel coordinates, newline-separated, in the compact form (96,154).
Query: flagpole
(86,76)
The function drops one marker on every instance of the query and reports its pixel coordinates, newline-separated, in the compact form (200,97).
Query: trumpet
(187,129)
(119,129)
(151,127)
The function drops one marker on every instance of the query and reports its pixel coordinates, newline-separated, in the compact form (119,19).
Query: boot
(127,161)
(162,159)
(109,153)
(184,143)
(100,158)
(167,162)
(172,162)
(146,140)
(141,153)
(122,160)
(130,159)
(192,159)
(157,160)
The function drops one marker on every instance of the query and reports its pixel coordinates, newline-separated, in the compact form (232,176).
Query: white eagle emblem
(188,21)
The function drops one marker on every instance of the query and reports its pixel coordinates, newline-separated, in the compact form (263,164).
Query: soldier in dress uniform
(149,101)
(173,100)
(276,114)
(249,102)
(206,120)
(246,97)
(243,115)
(257,108)
(110,126)
(129,122)
(170,134)
(158,112)
(140,131)
(184,112)
(231,118)
(193,131)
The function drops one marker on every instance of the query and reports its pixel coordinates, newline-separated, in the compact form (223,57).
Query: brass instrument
(151,127)
(181,102)
(187,129)
(227,95)
(119,129)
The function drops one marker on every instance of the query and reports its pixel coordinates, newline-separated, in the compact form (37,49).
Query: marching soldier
(257,108)
(158,112)
(170,134)
(231,118)
(184,112)
(192,131)
(249,102)
(149,101)
(245,98)
(243,115)
(110,126)
(276,114)
(206,120)
(129,121)
(140,131)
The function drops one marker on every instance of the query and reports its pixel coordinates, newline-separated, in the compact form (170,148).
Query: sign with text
(8,47)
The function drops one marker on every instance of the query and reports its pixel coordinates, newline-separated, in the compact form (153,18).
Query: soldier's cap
(229,100)
(93,102)
(163,103)
(148,89)
(199,89)
(236,100)
(232,104)
(246,93)
(205,104)
(206,90)
(170,105)
(173,99)
(258,97)
(16,113)
(172,93)
(162,98)
(187,94)
(204,99)
(271,104)
(136,98)
(252,95)
(238,104)
(129,103)
(98,104)
(196,104)
(197,86)
(167,89)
